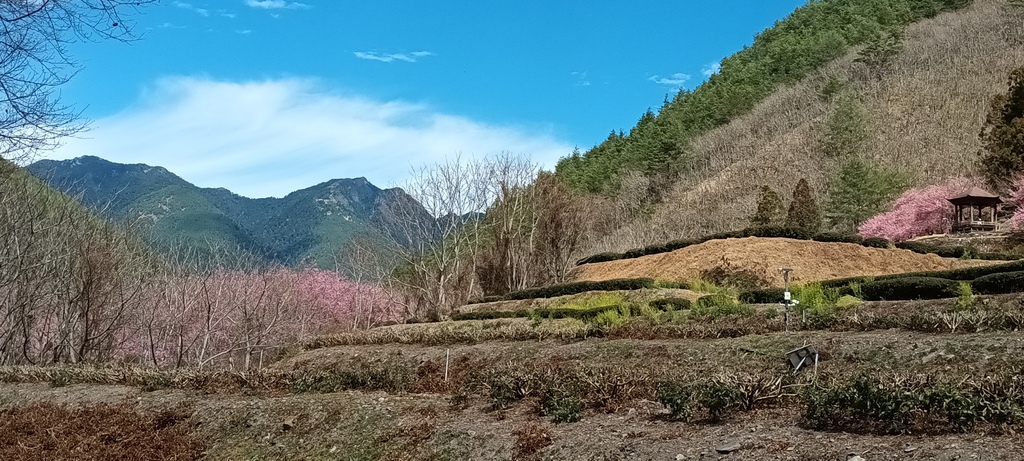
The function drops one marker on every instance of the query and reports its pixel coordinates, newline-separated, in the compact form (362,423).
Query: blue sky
(268,96)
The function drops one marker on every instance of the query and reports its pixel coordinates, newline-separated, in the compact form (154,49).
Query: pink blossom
(917,212)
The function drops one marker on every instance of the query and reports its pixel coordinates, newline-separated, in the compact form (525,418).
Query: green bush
(777,232)
(838,238)
(718,305)
(485,299)
(599,258)
(1004,282)
(677,398)
(910,288)
(765,296)
(562,407)
(671,304)
(876,242)
(490,315)
(580,287)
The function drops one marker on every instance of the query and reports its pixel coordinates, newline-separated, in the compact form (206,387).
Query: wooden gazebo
(976,209)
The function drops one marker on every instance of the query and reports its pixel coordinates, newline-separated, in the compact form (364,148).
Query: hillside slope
(761,258)
(309,225)
(924,110)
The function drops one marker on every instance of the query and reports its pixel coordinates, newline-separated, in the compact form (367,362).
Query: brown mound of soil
(759,260)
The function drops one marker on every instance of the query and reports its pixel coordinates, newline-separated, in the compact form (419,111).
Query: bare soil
(763,257)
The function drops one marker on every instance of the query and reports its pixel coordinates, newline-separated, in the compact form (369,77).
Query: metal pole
(447,354)
(785,275)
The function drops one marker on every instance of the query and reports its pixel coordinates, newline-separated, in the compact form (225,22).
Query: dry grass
(103,432)
(762,258)
(926,113)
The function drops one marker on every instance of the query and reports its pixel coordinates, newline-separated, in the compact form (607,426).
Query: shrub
(718,305)
(562,407)
(778,232)
(671,304)
(765,296)
(910,288)
(677,398)
(838,238)
(485,299)
(580,287)
(600,258)
(876,242)
(1004,282)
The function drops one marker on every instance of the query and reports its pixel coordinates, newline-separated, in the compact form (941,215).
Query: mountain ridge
(310,225)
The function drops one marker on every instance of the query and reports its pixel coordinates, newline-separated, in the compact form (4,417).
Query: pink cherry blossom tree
(917,212)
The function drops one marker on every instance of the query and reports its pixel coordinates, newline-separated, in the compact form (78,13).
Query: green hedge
(910,288)
(571,289)
(490,315)
(671,304)
(876,242)
(552,313)
(1004,282)
(765,296)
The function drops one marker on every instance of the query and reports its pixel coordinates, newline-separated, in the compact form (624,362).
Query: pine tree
(861,191)
(803,210)
(769,208)
(1002,136)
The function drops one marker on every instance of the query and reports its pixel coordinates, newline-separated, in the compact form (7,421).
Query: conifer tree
(859,192)
(1002,136)
(803,210)
(769,208)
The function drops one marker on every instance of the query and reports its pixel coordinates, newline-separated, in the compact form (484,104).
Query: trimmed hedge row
(965,274)
(671,304)
(1004,282)
(799,234)
(910,288)
(544,313)
(765,296)
(570,289)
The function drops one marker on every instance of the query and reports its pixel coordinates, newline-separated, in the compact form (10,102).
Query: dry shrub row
(101,432)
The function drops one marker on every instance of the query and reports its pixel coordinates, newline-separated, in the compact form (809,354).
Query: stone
(728,447)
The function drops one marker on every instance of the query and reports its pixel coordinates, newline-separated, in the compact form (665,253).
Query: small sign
(787,296)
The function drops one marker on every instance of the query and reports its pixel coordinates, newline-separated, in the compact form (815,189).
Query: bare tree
(34,63)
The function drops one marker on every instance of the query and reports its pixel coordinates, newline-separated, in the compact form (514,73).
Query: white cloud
(243,31)
(711,69)
(391,57)
(276,4)
(193,8)
(581,78)
(676,79)
(268,138)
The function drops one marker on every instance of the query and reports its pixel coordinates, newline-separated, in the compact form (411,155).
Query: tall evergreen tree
(769,208)
(859,192)
(803,210)
(1002,136)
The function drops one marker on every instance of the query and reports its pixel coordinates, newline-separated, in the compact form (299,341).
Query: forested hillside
(902,108)
(313,225)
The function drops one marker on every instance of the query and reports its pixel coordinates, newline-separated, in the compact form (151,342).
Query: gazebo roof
(975,195)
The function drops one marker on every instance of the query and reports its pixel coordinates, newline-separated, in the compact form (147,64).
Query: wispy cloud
(580,78)
(677,79)
(268,138)
(193,8)
(391,57)
(277,5)
(711,69)
(228,15)
(243,32)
